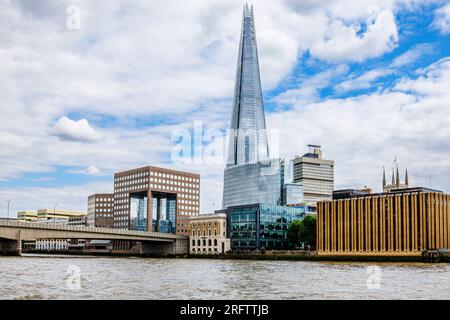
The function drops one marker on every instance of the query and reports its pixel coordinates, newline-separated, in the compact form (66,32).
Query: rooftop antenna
(430,179)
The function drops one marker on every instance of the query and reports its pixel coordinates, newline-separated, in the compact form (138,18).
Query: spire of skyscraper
(248,139)
(250,175)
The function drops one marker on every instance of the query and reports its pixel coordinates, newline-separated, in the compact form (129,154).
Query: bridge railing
(17,223)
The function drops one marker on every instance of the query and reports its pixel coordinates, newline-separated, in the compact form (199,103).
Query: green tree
(293,233)
(307,231)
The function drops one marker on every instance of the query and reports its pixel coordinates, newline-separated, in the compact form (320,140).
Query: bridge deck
(56,230)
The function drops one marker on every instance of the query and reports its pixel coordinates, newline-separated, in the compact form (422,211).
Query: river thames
(63,277)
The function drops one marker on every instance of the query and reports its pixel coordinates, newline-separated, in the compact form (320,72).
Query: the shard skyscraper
(249,144)
(250,175)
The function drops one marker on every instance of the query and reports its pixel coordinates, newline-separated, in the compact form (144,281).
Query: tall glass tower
(250,175)
(248,141)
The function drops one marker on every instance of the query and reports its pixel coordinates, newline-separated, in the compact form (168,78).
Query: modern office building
(209,234)
(257,182)
(350,193)
(316,174)
(27,216)
(401,222)
(53,216)
(156,199)
(292,194)
(100,210)
(250,175)
(261,226)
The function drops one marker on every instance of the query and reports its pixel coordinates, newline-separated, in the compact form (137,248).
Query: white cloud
(363,81)
(350,42)
(412,55)
(308,90)
(157,60)
(433,81)
(366,132)
(91,170)
(442,19)
(67,129)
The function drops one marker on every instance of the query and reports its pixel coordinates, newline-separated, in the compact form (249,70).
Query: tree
(307,231)
(293,232)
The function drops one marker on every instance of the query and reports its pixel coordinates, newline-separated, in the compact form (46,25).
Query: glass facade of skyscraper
(249,142)
(250,175)
(259,182)
(261,226)
(164,212)
(292,194)
(138,212)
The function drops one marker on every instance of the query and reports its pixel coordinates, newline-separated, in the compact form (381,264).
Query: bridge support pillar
(10,247)
(177,247)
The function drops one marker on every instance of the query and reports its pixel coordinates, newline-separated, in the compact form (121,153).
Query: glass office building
(261,226)
(260,182)
(249,142)
(292,194)
(164,212)
(138,212)
(250,175)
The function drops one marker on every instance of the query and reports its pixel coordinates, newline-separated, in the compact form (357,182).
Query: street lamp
(9,201)
(54,213)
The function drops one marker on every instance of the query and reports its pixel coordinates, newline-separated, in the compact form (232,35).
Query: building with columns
(209,234)
(401,222)
(155,199)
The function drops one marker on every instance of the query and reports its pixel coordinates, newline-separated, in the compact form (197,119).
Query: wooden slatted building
(400,223)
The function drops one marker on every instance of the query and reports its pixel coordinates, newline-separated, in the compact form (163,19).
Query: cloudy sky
(88,88)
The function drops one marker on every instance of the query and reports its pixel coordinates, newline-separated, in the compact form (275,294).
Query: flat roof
(153,168)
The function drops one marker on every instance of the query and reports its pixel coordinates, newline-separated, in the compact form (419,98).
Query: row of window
(103,199)
(157,186)
(204,250)
(123,197)
(105,204)
(204,242)
(203,233)
(156,180)
(156,174)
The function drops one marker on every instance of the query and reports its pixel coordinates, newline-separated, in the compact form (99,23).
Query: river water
(64,277)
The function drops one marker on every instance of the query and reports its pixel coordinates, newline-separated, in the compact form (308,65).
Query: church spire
(406,178)
(384,178)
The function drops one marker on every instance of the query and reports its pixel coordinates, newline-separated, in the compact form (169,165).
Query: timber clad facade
(384,224)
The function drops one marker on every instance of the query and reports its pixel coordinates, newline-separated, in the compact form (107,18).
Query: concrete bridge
(13,232)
